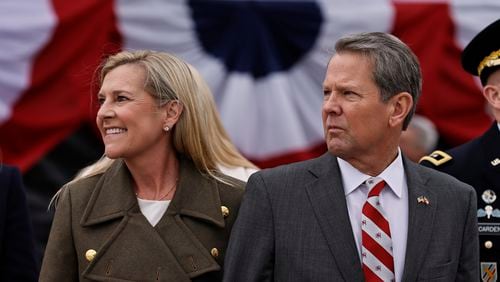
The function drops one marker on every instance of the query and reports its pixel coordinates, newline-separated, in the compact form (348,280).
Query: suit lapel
(327,198)
(420,221)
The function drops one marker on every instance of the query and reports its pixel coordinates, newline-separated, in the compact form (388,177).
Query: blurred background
(264,61)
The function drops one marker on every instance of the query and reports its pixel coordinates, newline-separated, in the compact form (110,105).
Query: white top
(394,201)
(153,210)
(241,173)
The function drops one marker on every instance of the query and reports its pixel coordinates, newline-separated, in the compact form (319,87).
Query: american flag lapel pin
(423,200)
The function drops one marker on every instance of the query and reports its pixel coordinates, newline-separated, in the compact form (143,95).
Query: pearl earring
(166,128)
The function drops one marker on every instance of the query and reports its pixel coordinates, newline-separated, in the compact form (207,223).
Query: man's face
(355,119)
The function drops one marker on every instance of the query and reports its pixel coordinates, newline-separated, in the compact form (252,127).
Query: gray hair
(396,68)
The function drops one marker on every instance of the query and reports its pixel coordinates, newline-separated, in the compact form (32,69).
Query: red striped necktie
(376,253)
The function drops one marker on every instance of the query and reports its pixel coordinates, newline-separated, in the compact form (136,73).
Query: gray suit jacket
(293,225)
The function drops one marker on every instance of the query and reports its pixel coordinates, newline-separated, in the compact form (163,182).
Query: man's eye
(100,101)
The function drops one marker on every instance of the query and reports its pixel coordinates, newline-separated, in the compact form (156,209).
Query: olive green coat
(101,213)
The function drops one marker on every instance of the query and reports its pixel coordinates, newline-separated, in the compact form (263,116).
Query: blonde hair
(199,133)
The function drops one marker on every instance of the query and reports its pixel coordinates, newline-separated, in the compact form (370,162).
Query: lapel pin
(495,162)
(423,200)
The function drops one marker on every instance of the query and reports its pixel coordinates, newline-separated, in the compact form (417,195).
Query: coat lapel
(327,198)
(420,221)
(170,250)
(197,200)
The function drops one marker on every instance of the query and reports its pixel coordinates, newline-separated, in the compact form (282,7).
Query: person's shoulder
(293,174)
(295,168)
(452,159)
(230,186)
(8,172)
(443,181)
(79,190)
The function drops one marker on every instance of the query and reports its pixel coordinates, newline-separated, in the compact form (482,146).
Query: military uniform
(478,161)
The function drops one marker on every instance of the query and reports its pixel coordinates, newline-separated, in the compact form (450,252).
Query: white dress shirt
(394,201)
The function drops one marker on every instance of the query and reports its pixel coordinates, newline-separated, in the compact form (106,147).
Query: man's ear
(173,110)
(401,105)
(492,95)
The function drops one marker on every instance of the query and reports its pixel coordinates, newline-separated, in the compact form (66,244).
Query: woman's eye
(122,98)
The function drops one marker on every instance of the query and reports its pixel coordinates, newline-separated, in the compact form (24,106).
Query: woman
(156,208)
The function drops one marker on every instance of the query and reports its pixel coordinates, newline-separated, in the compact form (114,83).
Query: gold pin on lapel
(423,200)
(495,162)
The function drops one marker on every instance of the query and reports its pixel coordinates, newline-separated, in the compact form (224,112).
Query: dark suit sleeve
(60,261)
(19,261)
(468,267)
(251,246)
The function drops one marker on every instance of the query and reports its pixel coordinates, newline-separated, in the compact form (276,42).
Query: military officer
(478,161)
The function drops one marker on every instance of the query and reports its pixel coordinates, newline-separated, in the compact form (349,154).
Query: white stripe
(372,229)
(372,263)
(373,202)
(271,116)
(25,27)
(471,16)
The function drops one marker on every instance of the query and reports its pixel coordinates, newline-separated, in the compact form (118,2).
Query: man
(332,218)
(18,261)
(478,161)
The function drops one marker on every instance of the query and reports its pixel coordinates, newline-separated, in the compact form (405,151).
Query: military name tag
(489,228)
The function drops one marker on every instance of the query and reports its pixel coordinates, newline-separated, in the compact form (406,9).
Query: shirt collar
(393,175)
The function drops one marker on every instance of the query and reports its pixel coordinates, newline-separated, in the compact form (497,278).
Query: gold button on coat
(214,252)
(488,244)
(90,254)
(225,211)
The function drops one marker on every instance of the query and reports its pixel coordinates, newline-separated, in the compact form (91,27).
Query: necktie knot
(375,191)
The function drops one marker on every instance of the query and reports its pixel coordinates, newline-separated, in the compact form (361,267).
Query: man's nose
(331,104)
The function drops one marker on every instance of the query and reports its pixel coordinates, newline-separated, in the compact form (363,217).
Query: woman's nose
(105,111)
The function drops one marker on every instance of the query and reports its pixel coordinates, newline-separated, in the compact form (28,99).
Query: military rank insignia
(489,271)
(489,196)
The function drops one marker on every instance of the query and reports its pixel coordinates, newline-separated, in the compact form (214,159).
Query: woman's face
(129,119)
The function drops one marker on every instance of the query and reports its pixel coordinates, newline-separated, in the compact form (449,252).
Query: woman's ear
(173,110)
(401,105)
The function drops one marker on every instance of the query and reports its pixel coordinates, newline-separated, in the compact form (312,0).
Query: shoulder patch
(437,158)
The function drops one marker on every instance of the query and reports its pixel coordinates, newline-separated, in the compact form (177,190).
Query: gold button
(90,254)
(214,252)
(488,244)
(225,211)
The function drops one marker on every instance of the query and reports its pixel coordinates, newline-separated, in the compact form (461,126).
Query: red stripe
(450,96)
(370,276)
(378,251)
(58,100)
(290,157)
(375,191)
(374,215)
